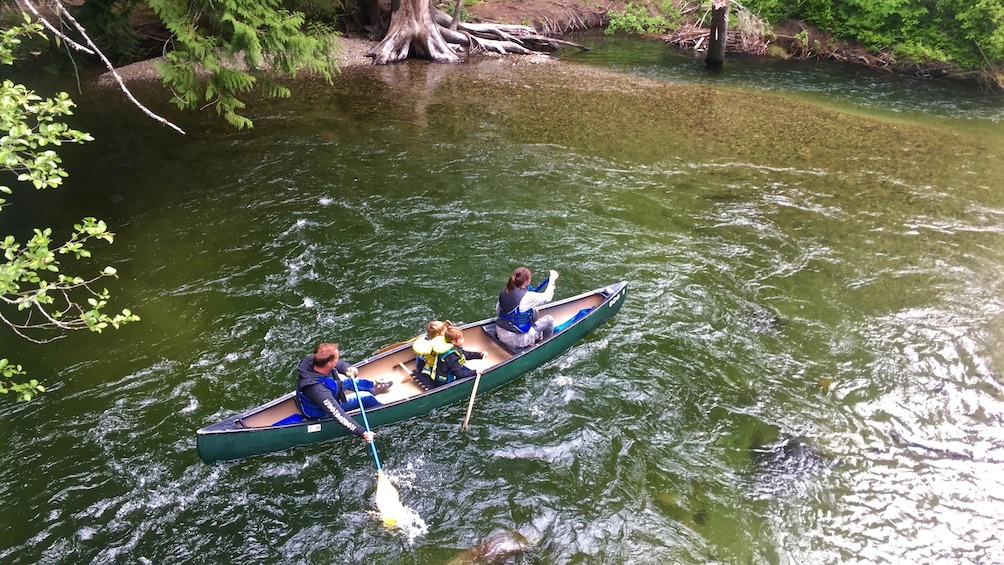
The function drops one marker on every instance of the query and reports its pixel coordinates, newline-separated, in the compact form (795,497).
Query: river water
(806,369)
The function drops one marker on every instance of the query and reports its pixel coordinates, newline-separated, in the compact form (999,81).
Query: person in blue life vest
(518,324)
(450,363)
(321,392)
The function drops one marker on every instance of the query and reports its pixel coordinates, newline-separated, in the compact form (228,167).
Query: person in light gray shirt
(518,324)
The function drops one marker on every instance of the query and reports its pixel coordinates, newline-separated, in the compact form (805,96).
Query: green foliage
(771,10)
(224,50)
(23,391)
(880,24)
(35,297)
(108,23)
(981,23)
(450,8)
(30,124)
(969,33)
(320,10)
(11,38)
(641,19)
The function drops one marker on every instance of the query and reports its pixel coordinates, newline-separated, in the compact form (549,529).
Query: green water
(805,370)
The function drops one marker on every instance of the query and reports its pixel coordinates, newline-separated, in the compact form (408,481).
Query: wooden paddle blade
(388,501)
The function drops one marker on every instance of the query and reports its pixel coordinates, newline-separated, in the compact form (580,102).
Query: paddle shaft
(406,342)
(387,499)
(395,345)
(366,424)
(470,403)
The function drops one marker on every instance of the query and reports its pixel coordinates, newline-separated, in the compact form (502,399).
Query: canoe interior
(396,366)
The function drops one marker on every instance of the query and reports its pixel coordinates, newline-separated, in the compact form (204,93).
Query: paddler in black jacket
(321,392)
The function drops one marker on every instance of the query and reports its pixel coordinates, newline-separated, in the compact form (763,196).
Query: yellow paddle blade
(388,501)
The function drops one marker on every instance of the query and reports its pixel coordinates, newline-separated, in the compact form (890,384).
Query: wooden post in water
(719,32)
(456,15)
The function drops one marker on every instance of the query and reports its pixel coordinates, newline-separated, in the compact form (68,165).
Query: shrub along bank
(954,38)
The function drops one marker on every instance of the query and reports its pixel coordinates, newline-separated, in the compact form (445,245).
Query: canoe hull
(231,438)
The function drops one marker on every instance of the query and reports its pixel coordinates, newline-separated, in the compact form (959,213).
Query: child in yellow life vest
(450,365)
(428,347)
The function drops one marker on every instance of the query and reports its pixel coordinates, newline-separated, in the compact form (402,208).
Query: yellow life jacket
(430,350)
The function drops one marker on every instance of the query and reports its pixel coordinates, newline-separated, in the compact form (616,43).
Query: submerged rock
(787,465)
(496,550)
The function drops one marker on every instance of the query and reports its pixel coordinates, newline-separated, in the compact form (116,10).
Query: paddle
(407,341)
(387,500)
(470,403)
(395,345)
(542,284)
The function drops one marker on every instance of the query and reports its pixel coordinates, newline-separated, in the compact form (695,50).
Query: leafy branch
(233,47)
(37,301)
(47,303)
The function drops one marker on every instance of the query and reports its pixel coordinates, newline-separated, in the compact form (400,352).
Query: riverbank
(351,53)
(788,40)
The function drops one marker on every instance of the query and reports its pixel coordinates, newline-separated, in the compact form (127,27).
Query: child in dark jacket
(451,362)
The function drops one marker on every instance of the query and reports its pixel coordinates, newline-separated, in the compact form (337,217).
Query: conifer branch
(94,50)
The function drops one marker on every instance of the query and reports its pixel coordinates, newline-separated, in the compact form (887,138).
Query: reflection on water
(804,370)
(824,81)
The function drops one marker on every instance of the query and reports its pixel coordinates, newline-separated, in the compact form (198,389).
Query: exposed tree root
(418,31)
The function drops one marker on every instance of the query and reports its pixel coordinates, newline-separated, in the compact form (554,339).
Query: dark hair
(324,353)
(519,277)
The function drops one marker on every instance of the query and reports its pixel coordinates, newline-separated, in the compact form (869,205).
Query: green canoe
(279,424)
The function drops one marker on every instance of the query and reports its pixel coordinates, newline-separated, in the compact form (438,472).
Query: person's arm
(532,299)
(473,354)
(343,368)
(459,371)
(338,413)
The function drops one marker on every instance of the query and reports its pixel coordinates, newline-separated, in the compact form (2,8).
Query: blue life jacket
(312,410)
(510,316)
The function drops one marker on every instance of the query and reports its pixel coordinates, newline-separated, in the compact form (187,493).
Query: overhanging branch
(58,8)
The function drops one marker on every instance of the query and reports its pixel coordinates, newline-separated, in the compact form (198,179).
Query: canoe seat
(490,330)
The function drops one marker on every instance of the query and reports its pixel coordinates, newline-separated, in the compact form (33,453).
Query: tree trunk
(418,29)
(456,15)
(412,31)
(719,32)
